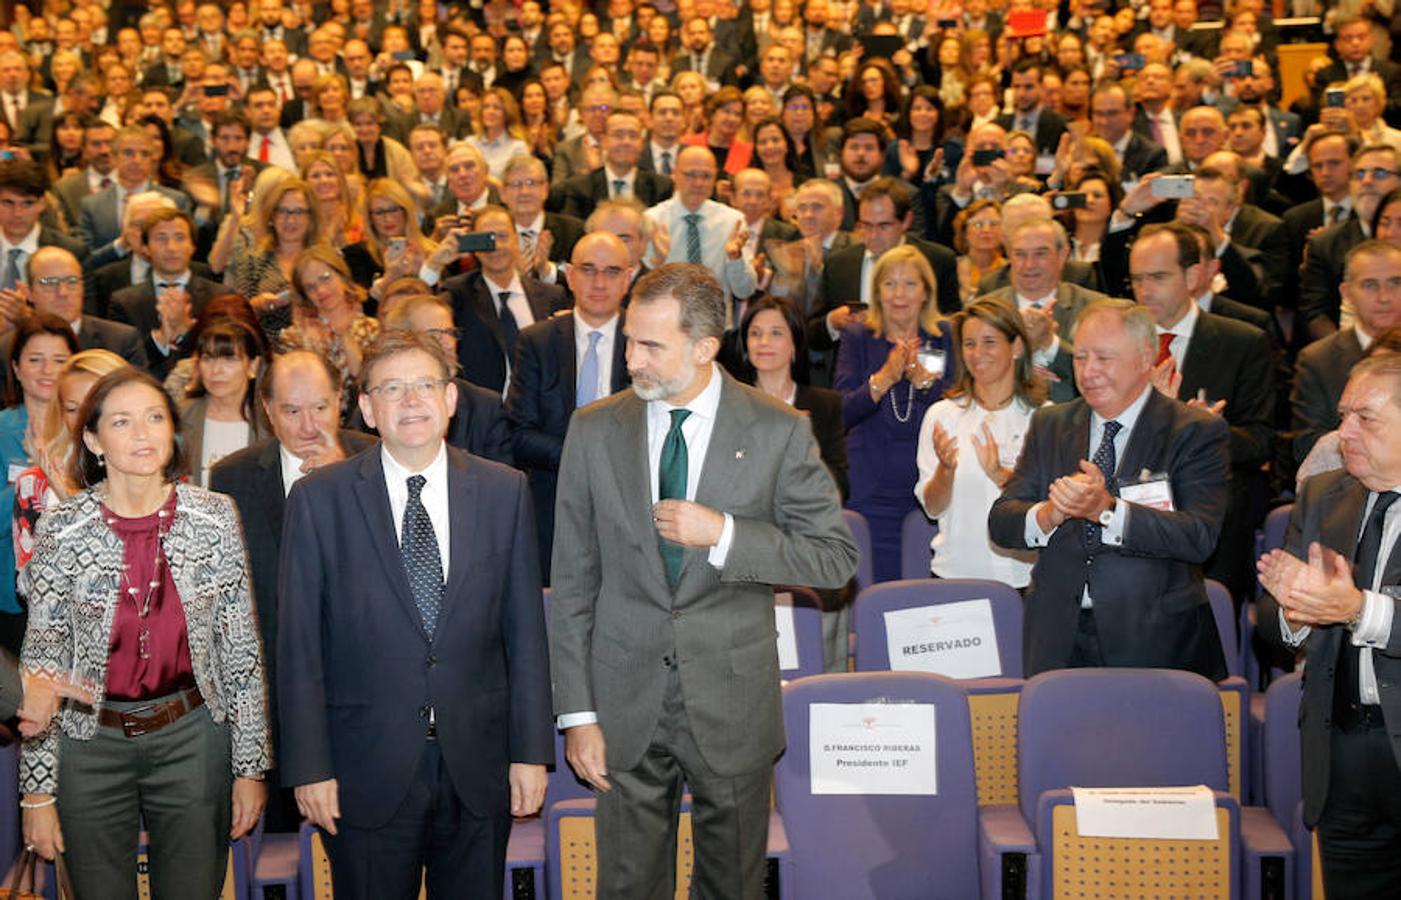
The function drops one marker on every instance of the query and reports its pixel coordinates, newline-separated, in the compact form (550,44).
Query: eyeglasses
(292,211)
(611,273)
(387,211)
(598,108)
(983,225)
(440,333)
(1377,174)
(524,183)
(395,391)
(53,281)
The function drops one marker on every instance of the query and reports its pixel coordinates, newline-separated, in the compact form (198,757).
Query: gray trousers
(637,819)
(177,781)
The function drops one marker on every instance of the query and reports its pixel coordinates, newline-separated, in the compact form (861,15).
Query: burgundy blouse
(158,663)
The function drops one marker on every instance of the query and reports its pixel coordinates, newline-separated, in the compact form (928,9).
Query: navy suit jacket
(1150,603)
(357,674)
(481,347)
(541,403)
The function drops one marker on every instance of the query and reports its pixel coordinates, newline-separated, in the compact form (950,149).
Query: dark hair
(1028,386)
(893,189)
(1392,196)
(862,125)
(1027,64)
(645,46)
(24,177)
(797,328)
(1112,185)
(89,468)
(790,153)
(230,306)
(694,287)
(225,338)
(26,329)
(929,94)
(1189,249)
(57,159)
(856,102)
(236,117)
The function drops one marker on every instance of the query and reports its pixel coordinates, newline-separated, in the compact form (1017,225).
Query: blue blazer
(880,448)
(356,672)
(13,422)
(540,405)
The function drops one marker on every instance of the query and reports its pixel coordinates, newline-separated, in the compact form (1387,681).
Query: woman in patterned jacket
(138,589)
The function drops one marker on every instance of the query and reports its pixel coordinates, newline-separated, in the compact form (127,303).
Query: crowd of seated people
(908,208)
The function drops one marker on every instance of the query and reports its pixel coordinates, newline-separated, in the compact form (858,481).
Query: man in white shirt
(1155,119)
(680,504)
(430,556)
(690,227)
(565,362)
(268,142)
(1333,590)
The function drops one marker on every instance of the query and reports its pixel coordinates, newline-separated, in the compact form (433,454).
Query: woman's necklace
(909,405)
(143,607)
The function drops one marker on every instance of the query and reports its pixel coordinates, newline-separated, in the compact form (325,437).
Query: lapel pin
(739,454)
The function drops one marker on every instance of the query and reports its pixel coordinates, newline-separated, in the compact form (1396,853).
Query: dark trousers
(176,780)
(465,854)
(1087,653)
(1359,832)
(637,819)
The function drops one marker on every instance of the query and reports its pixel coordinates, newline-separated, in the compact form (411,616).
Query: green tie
(671,485)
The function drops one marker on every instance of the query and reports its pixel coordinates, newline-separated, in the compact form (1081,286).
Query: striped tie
(693,238)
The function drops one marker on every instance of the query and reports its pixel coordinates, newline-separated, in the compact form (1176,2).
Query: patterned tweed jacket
(72,583)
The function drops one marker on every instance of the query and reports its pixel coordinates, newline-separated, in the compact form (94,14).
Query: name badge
(1152,491)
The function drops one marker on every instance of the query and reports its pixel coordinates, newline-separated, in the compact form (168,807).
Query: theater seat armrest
(1009,861)
(1267,855)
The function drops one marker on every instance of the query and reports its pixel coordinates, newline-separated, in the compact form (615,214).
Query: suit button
(676,614)
(432,661)
(666,662)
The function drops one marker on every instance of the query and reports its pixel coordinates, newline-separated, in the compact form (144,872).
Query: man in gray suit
(662,632)
(70,190)
(100,215)
(1038,250)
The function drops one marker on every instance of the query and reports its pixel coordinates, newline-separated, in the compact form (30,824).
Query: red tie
(263,150)
(1164,347)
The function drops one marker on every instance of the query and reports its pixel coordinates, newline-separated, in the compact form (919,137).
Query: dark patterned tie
(693,238)
(671,485)
(422,562)
(666,162)
(1104,458)
(1364,569)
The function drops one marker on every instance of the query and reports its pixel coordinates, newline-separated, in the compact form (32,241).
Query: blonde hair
(347,198)
(58,442)
(905,255)
(264,235)
(331,258)
(396,193)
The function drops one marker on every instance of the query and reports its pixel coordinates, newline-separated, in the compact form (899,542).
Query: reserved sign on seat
(957,640)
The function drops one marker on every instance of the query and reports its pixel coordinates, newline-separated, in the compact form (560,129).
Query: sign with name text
(1162,813)
(872,748)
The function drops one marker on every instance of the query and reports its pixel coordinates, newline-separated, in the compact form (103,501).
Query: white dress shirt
(434,496)
(716,224)
(1182,334)
(279,151)
(629,181)
(519,305)
(658,151)
(606,345)
(1111,535)
(27,248)
(1167,125)
(291,468)
(1374,627)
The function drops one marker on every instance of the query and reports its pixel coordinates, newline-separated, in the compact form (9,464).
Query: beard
(649,386)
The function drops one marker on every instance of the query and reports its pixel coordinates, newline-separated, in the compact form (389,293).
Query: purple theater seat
(868,622)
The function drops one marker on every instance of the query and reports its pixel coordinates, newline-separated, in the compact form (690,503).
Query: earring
(101,462)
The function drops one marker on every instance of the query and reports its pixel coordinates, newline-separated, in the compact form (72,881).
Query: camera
(986,157)
(1173,187)
(1070,200)
(476,242)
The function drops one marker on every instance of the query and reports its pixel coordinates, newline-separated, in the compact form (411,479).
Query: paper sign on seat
(957,640)
(872,748)
(1166,813)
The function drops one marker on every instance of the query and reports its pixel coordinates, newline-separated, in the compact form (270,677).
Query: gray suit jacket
(1070,300)
(98,225)
(613,618)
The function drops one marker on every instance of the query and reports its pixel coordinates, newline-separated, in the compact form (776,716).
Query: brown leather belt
(153,716)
